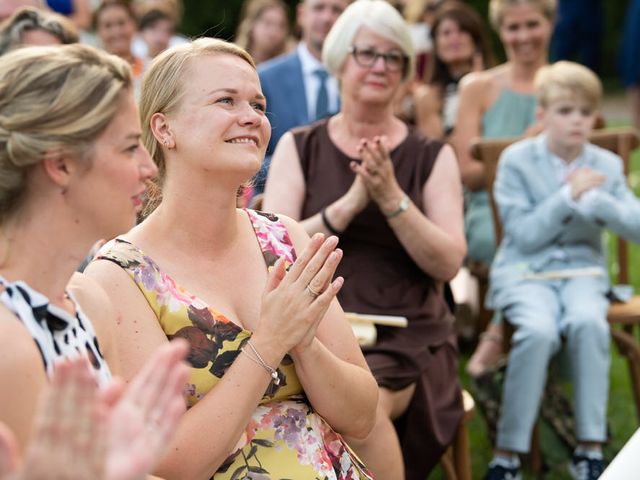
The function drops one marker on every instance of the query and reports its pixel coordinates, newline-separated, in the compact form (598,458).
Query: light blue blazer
(543,229)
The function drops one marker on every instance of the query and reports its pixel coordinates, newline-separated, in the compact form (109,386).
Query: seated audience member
(298,88)
(494,103)
(555,195)
(395,200)
(31,26)
(264,29)
(460,46)
(159,19)
(156,28)
(68,141)
(276,370)
(115,24)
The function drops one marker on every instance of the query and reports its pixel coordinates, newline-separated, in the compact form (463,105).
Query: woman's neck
(458,69)
(366,121)
(521,75)
(43,250)
(200,217)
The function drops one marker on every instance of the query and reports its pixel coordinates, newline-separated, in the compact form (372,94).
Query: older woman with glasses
(394,199)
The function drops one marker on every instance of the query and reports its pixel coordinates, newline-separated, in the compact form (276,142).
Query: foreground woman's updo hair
(162,91)
(53,99)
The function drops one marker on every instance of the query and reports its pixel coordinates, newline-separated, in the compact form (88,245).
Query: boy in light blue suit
(556,193)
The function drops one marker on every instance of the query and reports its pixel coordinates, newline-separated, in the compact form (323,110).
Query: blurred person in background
(264,29)
(461,45)
(78,11)
(115,23)
(297,86)
(31,26)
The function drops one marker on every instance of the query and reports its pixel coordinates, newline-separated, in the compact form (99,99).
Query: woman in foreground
(72,171)
(276,370)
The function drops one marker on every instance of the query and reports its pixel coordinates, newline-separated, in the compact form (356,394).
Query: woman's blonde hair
(53,99)
(377,15)
(163,86)
(564,80)
(498,7)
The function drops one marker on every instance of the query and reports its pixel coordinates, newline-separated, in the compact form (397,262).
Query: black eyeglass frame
(353,50)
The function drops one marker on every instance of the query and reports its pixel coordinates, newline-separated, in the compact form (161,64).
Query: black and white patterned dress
(57,333)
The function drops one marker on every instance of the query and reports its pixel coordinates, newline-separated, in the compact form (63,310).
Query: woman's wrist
(394,204)
(270,350)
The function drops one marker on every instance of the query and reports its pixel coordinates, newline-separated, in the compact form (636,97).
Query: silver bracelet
(404,204)
(272,371)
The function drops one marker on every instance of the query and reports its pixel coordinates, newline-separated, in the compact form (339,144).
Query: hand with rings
(295,302)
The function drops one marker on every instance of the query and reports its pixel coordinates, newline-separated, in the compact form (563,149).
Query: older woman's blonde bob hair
(163,87)
(53,100)
(498,7)
(376,15)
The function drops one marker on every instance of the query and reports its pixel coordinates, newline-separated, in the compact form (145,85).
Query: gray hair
(377,15)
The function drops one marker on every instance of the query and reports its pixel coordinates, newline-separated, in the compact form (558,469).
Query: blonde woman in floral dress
(276,371)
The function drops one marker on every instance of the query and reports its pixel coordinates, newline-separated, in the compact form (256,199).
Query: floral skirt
(289,440)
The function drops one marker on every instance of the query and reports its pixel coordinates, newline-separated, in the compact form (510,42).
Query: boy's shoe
(585,468)
(498,472)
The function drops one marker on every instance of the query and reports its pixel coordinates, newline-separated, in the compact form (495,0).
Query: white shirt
(312,83)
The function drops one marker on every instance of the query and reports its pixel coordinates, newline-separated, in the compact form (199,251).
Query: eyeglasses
(367,57)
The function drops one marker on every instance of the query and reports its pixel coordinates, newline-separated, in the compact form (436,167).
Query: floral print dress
(285,438)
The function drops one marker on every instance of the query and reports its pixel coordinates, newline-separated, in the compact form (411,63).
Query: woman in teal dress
(495,103)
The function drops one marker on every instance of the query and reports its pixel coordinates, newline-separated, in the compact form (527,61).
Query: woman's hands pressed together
(377,173)
(295,302)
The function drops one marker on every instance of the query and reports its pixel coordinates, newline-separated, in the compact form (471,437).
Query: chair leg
(536,453)
(461,453)
(629,348)
(447,465)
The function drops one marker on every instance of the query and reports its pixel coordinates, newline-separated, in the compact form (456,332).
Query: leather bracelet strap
(404,204)
(327,224)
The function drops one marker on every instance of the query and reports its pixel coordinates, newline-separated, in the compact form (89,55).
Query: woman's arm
(285,190)
(428,103)
(332,369)
(474,89)
(22,377)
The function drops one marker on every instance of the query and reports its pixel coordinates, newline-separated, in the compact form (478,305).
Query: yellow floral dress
(285,438)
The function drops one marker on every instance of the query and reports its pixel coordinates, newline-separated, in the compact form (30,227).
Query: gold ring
(312,292)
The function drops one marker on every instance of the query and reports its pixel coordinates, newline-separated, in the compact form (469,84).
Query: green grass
(622,418)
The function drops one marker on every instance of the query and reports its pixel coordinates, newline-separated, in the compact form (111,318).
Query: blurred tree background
(219,18)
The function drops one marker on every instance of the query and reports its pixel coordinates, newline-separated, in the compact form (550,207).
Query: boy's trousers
(549,315)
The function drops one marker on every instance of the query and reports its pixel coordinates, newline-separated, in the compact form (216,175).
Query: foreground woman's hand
(295,302)
(81,432)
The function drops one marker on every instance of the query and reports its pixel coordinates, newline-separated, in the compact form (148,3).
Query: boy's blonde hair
(567,79)
(497,9)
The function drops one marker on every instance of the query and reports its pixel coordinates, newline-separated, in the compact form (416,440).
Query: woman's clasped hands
(295,301)
(375,174)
